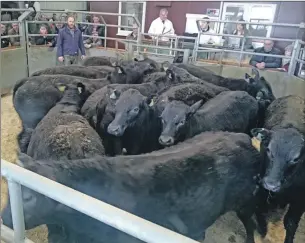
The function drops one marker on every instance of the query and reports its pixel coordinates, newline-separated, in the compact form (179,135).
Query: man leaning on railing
(15,41)
(262,62)
(5,42)
(69,40)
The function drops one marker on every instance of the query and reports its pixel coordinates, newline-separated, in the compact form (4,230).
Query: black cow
(73,70)
(257,87)
(132,72)
(156,65)
(105,108)
(64,134)
(135,123)
(184,188)
(35,96)
(283,149)
(98,61)
(233,111)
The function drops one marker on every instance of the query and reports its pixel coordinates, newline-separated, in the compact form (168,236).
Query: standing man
(69,40)
(162,26)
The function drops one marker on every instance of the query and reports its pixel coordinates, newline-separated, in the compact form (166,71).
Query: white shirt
(158,28)
(205,38)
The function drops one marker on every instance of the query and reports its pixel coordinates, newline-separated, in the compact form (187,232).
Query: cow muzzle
(273,186)
(115,130)
(166,140)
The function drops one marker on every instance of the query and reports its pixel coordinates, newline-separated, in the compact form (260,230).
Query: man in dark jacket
(69,40)
(262,62)
(4,41)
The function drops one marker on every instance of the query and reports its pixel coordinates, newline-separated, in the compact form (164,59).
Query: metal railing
(173,45)
(103,212)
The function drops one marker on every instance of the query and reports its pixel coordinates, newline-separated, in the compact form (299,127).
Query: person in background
(286,61)
(4,41)
(95,30)
(206,38)
(134,34)
(15,41)
(241,29)
(58,26)
(43,39)
(262,62)
(69,41)
(162,26)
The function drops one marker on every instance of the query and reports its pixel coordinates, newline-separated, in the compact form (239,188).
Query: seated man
(4,41)
(15,41)
(262,62)
(162,26)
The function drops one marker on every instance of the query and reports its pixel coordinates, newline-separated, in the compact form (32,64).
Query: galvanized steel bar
(295,53)
(115,217)
(244,52)
(253,23)
(17,210)
(7,235)
(10,36)
(13,9)
(10,22)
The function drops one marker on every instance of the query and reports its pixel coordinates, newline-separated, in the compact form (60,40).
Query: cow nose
(273,186)
(166,140)
(115,130)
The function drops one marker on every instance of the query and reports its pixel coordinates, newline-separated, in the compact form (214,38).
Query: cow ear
(25,161)
(150,101)
(195,107)
(260,133)
(120,70)
(165,65)
(108,77)
(247,77)
(61,87)
(255,72)
(114,95)
(170,74)
(81,87)
(136,59)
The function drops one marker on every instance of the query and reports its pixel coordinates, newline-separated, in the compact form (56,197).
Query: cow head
(75,94)
(175,117)
(259,87)
(131,107)
(283,151)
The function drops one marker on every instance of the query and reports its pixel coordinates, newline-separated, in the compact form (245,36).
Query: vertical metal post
(186,54)
(196,47)
(17,211)
(242,49)
(26,45)
(139,40)
(295,53)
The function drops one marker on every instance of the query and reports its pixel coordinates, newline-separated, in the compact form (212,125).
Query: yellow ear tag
(256,144)
(61,88)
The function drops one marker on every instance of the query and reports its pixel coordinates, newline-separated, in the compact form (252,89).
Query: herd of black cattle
(174,144)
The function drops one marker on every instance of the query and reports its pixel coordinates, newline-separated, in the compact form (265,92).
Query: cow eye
(136,109)
(181,122)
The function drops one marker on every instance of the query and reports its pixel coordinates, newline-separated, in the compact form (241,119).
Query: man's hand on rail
(61,59)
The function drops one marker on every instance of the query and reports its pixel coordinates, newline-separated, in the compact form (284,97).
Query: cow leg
(57,234)
(292,219)
(245,216)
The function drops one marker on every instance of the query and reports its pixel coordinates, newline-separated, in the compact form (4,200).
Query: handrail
(115,217)
(7,235)
(253,23)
